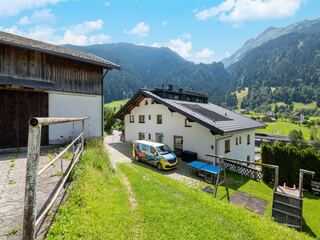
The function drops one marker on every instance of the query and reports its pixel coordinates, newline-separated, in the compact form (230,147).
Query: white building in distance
(186,121)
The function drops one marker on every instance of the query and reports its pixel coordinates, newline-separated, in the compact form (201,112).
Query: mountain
(149,67)
(289,64)
(306,26)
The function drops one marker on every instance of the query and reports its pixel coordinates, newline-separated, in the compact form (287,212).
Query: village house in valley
(185,120)
(43,80)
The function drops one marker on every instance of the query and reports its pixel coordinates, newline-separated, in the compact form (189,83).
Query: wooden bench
(315,186)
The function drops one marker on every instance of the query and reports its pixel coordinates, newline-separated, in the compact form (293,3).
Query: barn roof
(18,41)
(218,119)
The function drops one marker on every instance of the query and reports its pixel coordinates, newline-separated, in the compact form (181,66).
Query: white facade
(74,105)
(196,138)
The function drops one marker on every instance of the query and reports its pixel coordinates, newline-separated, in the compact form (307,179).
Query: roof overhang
(108,66)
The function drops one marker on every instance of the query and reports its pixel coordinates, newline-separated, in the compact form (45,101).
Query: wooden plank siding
(15,110)
(65,74)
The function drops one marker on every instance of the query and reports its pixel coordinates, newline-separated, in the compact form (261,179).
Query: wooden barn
(44,80)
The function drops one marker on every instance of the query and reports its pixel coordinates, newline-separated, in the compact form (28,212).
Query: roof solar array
(206,112)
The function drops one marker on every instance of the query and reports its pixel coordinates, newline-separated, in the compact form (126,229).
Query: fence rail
(30,220)
(236,165)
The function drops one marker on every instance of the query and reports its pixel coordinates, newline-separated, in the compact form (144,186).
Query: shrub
(290,159)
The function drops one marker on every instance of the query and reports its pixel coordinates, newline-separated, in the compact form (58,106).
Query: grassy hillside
(299,106)
(138,203)
(116,104)
(284,128)
(241,94)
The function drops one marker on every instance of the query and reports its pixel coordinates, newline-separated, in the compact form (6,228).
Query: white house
(38,79)
(185,120)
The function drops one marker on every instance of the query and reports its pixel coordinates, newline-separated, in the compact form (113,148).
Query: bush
(109,119)
(290,160)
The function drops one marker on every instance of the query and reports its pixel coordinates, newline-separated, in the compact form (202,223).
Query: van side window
(152,150)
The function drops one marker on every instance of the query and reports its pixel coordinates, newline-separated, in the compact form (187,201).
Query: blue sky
(200,31)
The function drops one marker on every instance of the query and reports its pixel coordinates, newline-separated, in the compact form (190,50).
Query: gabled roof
(218,119)
(17,41)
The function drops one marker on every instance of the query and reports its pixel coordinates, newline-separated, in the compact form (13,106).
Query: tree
(296,138)
(109,119)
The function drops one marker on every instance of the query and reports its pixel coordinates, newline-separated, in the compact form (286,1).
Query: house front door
(178,145)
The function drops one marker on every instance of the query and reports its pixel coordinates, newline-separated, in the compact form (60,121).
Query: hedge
(290,159)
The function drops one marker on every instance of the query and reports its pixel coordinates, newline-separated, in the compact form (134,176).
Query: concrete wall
(74,105)
(196,138)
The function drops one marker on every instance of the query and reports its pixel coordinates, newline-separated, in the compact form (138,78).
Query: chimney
(170,87)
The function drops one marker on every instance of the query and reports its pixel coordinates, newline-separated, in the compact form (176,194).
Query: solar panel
(206,112)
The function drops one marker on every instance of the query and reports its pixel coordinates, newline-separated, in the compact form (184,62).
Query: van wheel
(159,166)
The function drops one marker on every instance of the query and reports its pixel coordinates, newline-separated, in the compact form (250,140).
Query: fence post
(82,137)
(34,139)
(276,177)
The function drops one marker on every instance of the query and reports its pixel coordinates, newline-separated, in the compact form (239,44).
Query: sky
(198,30)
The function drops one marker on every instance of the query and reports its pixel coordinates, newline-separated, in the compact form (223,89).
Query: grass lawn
(116,104)
(299,106)
(101,206)
(284,128)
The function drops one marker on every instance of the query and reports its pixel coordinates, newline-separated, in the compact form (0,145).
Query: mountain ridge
(271,33)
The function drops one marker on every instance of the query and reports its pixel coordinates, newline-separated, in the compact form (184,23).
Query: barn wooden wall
(65,74)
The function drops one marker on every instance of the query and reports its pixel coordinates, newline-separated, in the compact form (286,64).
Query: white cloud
(14,7)
(181,47)
(80,34)
(38,17)
(140,30)
(238,11)
(184,49)
(205,55)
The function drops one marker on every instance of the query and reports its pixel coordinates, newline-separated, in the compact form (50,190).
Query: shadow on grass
(307,229)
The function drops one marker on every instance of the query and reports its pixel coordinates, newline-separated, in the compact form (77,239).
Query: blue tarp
(205,167)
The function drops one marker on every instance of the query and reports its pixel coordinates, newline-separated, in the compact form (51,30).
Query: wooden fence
(31,220)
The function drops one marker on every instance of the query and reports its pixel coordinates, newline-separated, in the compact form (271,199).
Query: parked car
(156,154)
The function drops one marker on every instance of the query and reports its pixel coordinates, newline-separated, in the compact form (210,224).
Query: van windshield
(162,150)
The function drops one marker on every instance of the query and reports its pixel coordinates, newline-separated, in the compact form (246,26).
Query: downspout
(102,102)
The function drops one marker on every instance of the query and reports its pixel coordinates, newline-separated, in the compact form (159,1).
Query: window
(146,102)
(248,159)
(237,141)
(141,119)
(227,146)
(149,117)
(152,101)
(187,123)
(248,139)
(159,137)
(131,119)
(149,136)
(159,119)
(240,140)
(141,136)
(153,151)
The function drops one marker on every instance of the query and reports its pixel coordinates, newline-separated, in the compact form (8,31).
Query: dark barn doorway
(16,107)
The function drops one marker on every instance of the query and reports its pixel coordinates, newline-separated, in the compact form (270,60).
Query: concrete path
(120,152)
(12,187)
